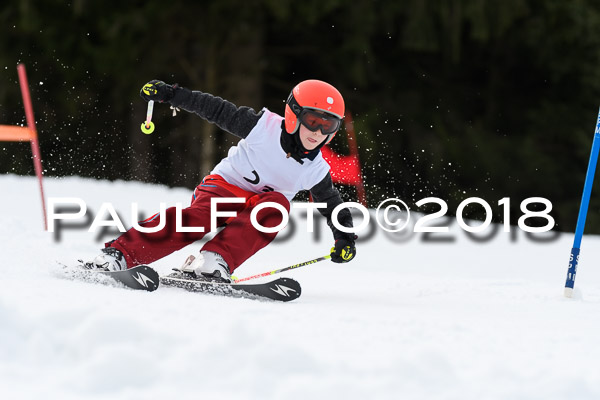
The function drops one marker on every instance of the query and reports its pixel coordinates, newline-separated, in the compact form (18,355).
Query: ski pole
(276,271)
(148,125)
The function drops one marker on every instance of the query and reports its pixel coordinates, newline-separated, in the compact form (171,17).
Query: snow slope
(406,319)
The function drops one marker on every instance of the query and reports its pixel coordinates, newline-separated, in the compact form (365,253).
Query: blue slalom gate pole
(583,208)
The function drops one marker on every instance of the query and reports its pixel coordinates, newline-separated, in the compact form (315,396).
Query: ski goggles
(314,121)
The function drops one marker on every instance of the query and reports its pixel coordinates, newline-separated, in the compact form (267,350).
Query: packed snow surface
(411,317)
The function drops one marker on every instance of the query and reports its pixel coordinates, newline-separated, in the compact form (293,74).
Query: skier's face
(311,140)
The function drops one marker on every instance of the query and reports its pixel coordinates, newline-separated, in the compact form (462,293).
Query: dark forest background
(451,99)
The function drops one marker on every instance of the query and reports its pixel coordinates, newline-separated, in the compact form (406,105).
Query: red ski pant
(238,241)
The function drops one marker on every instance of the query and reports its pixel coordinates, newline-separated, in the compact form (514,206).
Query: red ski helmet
(313,95)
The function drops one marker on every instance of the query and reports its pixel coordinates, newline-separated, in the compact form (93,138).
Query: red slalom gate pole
(35,147)
(353,145)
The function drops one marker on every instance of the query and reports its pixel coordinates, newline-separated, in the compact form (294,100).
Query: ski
(282,289)
(141,277)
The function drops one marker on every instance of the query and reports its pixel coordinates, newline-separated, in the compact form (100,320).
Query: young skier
(275,158)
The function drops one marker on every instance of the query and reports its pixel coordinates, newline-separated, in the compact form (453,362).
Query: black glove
(158,91)
(344,249)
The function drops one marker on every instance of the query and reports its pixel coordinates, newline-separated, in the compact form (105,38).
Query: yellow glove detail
(149,89)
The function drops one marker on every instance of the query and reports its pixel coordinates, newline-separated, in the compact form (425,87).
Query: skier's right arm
(238,121)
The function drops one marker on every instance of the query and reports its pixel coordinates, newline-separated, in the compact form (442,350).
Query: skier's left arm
(238,121)
(344,249)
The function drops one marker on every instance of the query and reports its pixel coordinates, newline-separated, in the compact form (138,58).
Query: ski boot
(209,265)
(111,259)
